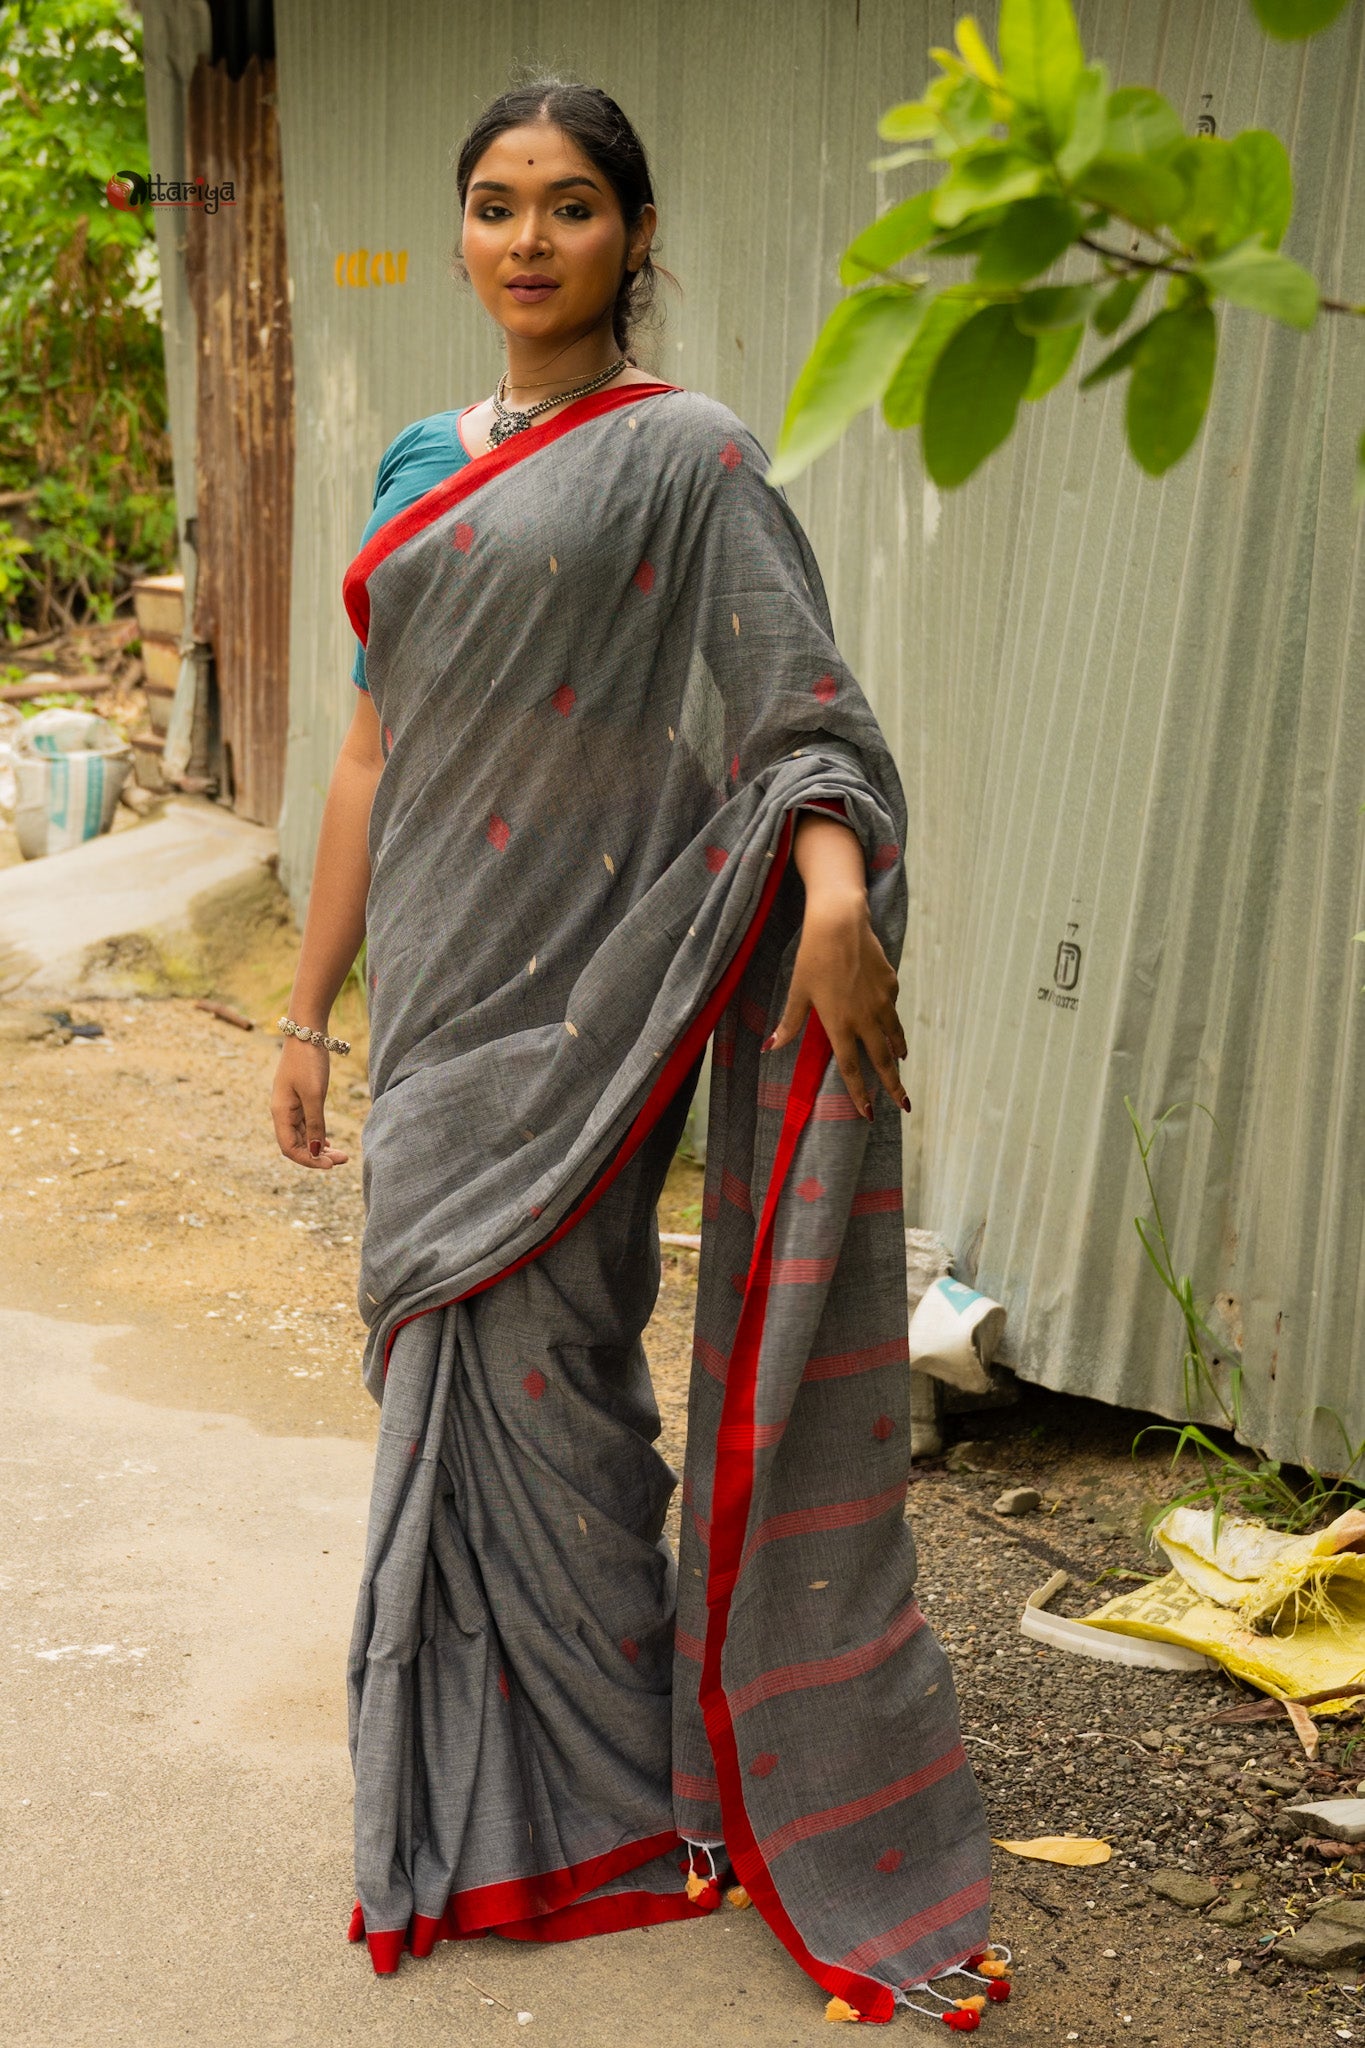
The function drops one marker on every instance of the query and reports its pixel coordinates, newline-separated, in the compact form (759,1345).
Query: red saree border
(479,469)
(731,1496)
(549,1907)
(686,1050)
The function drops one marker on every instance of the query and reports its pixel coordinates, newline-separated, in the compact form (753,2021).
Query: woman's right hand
(298,1104)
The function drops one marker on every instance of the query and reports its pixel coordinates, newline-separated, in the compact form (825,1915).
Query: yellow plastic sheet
(1287,1614)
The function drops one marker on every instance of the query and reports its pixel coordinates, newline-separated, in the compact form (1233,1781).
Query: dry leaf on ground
(1080,1851)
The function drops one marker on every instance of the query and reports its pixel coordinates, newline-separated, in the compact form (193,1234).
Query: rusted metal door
(244,456)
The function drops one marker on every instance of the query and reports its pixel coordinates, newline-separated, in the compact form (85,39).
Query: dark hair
(592,119)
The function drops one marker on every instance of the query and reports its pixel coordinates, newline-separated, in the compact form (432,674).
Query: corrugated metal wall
(236,266)
(1128,713)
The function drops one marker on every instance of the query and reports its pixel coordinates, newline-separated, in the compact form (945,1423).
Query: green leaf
(897,158)
(1292,19)
(1086,139)
(1117,303)
(1118,359)
(1052,358)
(1142,191)
(965,116)
(975,54)
(1042,59)
(1209,218)
(1265,184)
(986,178)
(849,367)
(915,121)
(903,401)
(974,394)
(898,233)
(1252,275)
(967,241)
(1168,392)
(1052,306)
(1140,123)
(1032,235)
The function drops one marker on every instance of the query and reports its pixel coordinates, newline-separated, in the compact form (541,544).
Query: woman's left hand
(843,974)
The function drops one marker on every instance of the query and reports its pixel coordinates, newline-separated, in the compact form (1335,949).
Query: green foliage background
(82,374)
(1036,160)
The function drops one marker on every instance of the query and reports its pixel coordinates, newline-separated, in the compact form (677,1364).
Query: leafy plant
(1260,1487)
(84,451)
(1196,1368)
(1041,162)
(1263,1489)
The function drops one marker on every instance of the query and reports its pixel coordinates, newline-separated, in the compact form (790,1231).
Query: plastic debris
(1086,1639)
(61,774)
(1284,1613)
(954,1334)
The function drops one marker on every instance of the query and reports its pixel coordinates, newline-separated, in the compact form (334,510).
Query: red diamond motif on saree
(734,769)
(564,699)
(885,857)
(630,1648)
(763,1764)
(882,1428)
(810,1189)
(826,689)
(716,857)
(499,831)
(463,537)
(535,1384)
(503,1687)
(731,456)
(643,579)
(890,1859)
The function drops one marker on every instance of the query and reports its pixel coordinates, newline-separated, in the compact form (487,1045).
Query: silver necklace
(514,420)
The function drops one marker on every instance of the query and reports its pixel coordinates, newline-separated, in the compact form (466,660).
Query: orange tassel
(990,1968)
(837,2009)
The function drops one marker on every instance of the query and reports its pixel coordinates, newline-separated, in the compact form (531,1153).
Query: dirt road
(186,1456)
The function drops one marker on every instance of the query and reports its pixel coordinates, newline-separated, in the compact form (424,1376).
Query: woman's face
(544,240)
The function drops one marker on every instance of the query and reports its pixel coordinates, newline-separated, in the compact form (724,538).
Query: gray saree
(607,683)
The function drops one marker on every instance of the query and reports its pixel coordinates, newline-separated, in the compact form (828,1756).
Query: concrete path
(52,912)
(174,1782)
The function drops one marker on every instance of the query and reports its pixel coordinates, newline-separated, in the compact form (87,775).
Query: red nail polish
(315,1147)
(767,1044)
(867,1113)
(906,1104)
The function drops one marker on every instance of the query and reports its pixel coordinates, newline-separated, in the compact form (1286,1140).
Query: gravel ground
(139,1185)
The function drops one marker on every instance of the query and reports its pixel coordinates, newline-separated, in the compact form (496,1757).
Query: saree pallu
(607,683)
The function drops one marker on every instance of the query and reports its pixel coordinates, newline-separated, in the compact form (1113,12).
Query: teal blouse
(423,455)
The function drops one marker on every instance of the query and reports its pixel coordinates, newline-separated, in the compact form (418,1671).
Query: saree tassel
(697,1885)
(961,2020)
(840,2009)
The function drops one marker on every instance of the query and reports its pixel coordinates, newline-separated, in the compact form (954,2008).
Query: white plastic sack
(953,1335)
(61,778)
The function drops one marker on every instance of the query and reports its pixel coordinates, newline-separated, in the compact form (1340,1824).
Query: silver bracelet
(293,1030)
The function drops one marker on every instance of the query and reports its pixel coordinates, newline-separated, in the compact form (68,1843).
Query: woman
(609,791)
